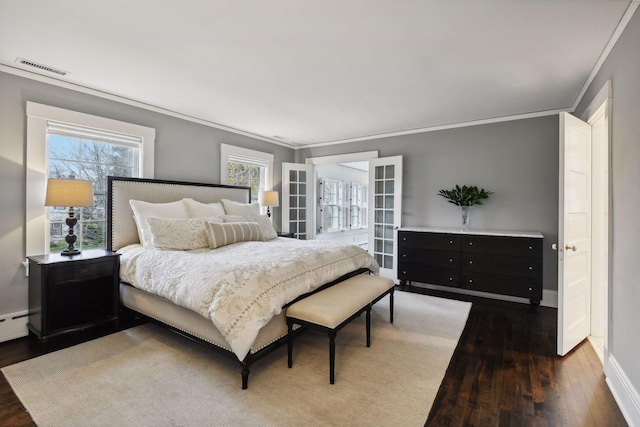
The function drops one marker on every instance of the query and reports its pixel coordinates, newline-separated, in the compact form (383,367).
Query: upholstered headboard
(121,227)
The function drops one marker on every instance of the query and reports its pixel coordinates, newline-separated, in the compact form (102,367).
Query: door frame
(604,100)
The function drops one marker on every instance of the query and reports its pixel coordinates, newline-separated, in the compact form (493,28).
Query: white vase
(465,211)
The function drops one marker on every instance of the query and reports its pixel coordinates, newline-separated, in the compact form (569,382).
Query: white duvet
(240,287)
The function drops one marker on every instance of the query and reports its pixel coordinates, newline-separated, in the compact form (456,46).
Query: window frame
(246,155)
(36,229)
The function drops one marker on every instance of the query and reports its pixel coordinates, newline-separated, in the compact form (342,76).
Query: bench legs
(289,343)
(368,321)
(391,305)
(332,357)
(332,337)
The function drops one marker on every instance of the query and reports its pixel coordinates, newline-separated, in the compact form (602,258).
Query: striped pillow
(227,233)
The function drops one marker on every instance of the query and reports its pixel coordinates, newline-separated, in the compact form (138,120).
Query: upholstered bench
(330,309)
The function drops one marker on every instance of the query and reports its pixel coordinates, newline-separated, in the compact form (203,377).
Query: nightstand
(283,234)
(71,293)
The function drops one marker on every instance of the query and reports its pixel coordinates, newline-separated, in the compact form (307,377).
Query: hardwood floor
(504,372)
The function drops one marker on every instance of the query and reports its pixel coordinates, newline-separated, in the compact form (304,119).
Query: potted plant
(464,197)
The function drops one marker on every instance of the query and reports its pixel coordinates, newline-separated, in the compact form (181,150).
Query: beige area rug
(147,376)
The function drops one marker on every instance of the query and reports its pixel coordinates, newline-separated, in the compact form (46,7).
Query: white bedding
(240,287)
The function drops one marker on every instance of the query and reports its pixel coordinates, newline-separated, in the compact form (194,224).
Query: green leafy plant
(465,196)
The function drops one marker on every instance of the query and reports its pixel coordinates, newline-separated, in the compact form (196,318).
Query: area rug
(148,376)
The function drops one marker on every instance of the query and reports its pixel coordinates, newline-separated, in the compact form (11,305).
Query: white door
(298,200)
(574,233)
(385,211)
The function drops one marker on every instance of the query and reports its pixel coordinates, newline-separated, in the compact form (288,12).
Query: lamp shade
(69,192)
(268,198)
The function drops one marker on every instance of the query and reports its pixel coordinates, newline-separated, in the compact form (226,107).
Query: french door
(384,207)
(298,199)
(385,212)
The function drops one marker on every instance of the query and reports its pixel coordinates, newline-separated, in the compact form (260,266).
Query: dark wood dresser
(505,263)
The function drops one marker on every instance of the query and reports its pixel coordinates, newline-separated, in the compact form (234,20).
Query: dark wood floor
(504,372)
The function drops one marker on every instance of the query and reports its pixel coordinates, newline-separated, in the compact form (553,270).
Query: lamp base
(70,252)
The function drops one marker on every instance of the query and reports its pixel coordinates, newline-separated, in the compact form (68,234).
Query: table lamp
(268,199)
(72,193)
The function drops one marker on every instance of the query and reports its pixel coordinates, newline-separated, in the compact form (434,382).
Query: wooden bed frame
(122,231)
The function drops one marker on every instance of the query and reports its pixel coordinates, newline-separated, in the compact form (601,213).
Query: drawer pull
(530,268)
(451,242)
(530,289)
(450,259)
(405,239)
(470,262)
(404,272)
(470,243)
(530,247)
(470,281)
(404,255)
(451,279)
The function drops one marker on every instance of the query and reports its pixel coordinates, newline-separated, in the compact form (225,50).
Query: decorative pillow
(179,234)
(264,223)
(143,210)
(237,208)
(225,234)
(197,209)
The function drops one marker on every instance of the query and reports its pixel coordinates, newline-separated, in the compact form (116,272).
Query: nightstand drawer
(82,271)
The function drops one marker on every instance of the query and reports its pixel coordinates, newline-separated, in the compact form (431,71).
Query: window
(246,168)
(84,153)
(62,144)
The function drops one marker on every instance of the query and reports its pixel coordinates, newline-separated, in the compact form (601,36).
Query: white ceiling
(317,71)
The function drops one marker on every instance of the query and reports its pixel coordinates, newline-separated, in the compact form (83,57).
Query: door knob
(573,248)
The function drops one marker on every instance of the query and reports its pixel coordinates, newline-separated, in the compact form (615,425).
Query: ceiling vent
(41,67)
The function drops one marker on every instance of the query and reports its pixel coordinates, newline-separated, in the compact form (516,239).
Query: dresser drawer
(428,257)
(80,271)
(432,275)
(501,265)
(512,246)
(437,241)
(515,286)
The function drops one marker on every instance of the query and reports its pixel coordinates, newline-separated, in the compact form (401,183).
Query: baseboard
(623,391)
(549,298)
(13,325)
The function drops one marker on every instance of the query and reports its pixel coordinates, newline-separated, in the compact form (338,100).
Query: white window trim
(36,175)
(231,150)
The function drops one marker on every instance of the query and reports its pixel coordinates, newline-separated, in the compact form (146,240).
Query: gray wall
(517,160)
(622,67)
(184,151)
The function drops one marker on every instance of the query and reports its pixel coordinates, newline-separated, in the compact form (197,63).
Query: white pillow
(225,234)
(179,234)
(264,223)
(237,208)
(143,210)
(197,209)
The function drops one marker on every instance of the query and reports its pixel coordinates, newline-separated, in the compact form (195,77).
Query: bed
(231,298)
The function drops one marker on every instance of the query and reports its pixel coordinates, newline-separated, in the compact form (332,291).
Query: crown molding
(607,50)
(438,128)
(105,95)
